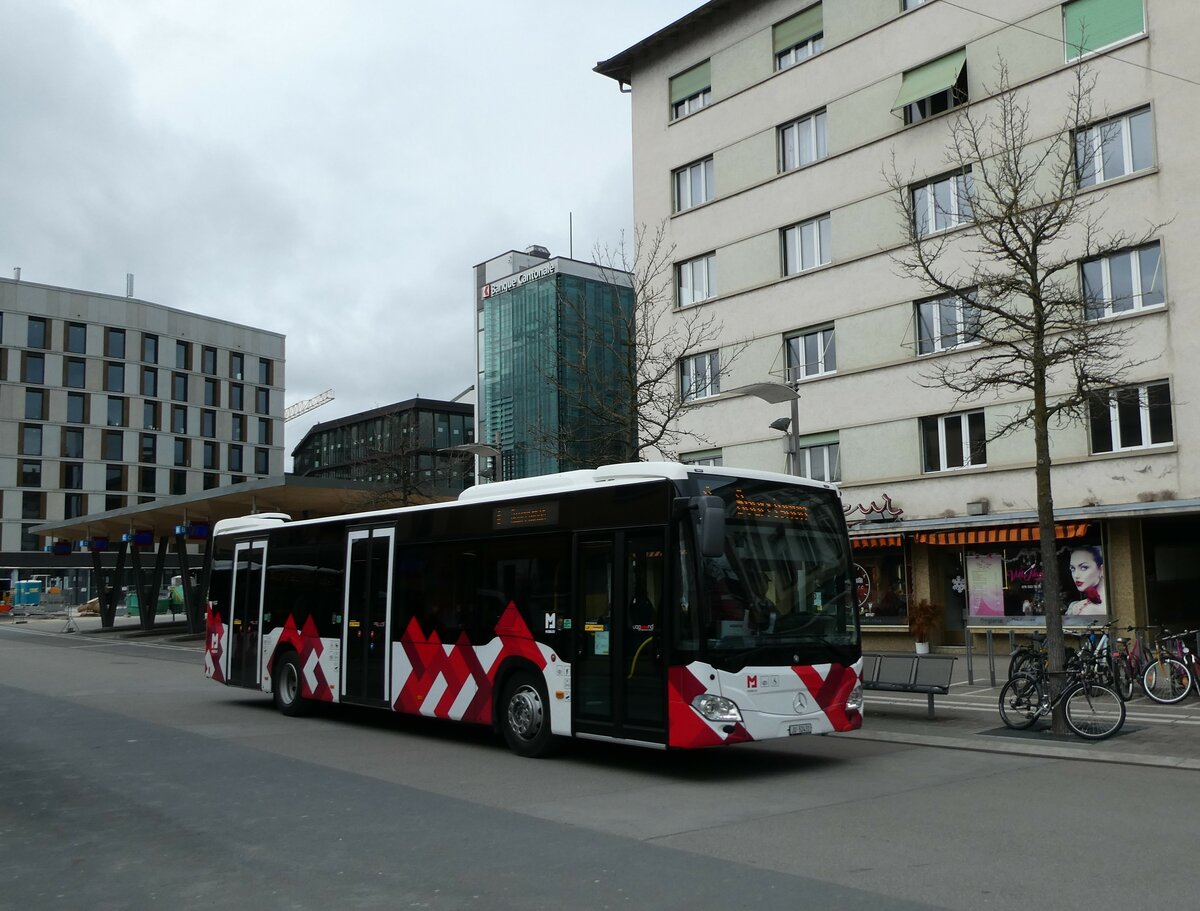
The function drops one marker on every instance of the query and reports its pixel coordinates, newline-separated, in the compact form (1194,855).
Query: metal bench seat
(929,674)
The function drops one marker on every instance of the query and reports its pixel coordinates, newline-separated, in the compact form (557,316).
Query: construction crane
(307,405)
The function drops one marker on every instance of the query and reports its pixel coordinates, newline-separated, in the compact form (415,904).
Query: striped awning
(870,541)
(1006,534)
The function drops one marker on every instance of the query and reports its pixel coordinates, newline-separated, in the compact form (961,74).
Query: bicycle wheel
(1021,702)
(1094,711)
(1122,677)
(1023,661)
(1167,681)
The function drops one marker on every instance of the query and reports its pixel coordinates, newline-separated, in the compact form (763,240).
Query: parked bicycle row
(1153,660)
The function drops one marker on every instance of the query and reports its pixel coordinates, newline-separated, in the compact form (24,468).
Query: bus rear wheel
(525,716)
(286,687)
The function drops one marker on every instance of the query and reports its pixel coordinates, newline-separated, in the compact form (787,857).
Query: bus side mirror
(711,516)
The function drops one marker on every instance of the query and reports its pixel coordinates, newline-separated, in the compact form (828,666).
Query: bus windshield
(782,591)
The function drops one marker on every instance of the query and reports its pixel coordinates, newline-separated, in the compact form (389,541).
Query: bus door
(619,687)
(366,642)
(245,613)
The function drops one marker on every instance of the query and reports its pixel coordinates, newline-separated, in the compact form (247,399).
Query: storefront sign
(885,511)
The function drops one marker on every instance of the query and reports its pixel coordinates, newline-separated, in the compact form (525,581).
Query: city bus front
(767,642)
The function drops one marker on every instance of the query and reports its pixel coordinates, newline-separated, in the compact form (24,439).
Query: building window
(72,505)
(235,458)
(208,423)
(262,461)
(806,245)
(691,90)
(147,480)
(1114,148)
(151,416)
(212,480)
(1132,417)
(182,452)
(72,476)
(933,88)
(35,404)
(237,397)
(114,377)
(1122,282)
(112,445)
(149,448)
(1093,25)
(810,353)
(29,473)
(947,322)
(183,355)
(77,407)
(262,400)
(696,279)
(954,441)
(33,505)
(238,429)
(798,38)
(76,340)
(37,333)
(113,501)
(212,391)
(150,381)
(31,439)
(694,185)
(114,478)
(33,367)
(911,4)
(74,373)
(72,443)
(802,141)
(942,204)
(149,348)
(118,411)
(710,458)
(179,387)
(266,372)
(179,419)
(208,360)
(264,431)
(114,342)
(700,376)
(822,462)
(210,456)
(236,365)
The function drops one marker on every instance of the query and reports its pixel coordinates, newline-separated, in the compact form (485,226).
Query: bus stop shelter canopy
(299,497)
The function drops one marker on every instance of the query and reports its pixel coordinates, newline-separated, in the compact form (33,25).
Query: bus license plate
(802,728)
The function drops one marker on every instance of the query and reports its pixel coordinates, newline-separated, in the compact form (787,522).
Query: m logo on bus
(762,681)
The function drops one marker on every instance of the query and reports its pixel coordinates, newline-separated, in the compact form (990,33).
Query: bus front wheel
(287,686)
(525,716)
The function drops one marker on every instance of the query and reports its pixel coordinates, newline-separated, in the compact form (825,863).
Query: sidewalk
(1165,736)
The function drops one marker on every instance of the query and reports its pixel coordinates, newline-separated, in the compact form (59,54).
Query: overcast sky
(327,169)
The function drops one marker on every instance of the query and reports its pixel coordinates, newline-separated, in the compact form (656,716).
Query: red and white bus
(656,604)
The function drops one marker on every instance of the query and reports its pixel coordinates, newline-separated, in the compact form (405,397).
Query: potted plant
(922,616)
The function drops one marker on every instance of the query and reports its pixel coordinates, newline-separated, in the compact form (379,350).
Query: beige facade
(1135,501)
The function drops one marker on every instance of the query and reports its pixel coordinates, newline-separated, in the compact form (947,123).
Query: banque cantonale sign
(529,275)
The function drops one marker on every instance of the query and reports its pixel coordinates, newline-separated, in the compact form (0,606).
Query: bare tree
(398,476)
(1027,222)
(617,372)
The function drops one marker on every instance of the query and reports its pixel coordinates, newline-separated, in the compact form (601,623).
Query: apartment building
(762,136)
(108,402)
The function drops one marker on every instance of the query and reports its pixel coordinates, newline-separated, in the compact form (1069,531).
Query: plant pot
(922,648)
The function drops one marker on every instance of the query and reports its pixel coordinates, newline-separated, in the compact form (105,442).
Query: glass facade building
(554,361)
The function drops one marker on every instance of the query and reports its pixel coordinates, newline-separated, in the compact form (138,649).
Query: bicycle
(1026,658)
(1168,679)
(1093,710)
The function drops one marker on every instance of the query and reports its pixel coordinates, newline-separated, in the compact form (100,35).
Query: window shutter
(689,82)
(1089,25)
(800,27)
(935,76)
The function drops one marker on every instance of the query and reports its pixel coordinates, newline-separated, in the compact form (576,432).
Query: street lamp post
(777,394)
(480,449)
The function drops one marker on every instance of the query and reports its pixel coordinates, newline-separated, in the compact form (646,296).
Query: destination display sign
(765,507)
(525,515)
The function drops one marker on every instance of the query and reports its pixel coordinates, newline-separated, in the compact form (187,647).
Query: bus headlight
(854,702)
(716,708)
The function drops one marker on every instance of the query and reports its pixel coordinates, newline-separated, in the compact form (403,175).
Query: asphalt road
(127,780)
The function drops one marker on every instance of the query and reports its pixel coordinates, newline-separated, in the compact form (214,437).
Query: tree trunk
(1050,586)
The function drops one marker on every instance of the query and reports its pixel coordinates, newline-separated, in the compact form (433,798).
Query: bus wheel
(287,686)
(525,716)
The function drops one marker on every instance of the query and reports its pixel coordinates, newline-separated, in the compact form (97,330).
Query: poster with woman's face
(1082,569)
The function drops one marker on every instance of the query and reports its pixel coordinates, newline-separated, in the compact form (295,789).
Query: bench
(929,674)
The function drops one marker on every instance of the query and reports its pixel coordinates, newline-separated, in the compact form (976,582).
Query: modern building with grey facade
(108,402)
(553,348)
(762,132)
